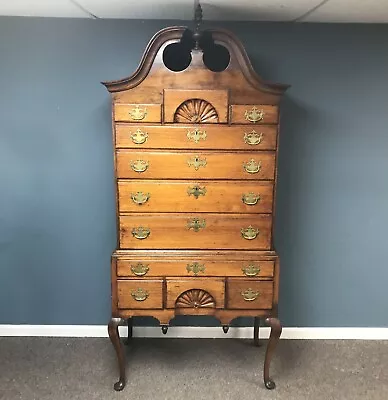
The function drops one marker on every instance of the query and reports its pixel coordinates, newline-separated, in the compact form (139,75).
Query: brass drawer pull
(196,191)
(251,270)
(139,137)
(252,166)
(250,295)
(140,198)
(250,199)
(137,113)
(140,294)
(195,268)
(141,233)
(254,115)
(196,135)
(139,165)
(196,162)
(140,269)
(196,224)
(253,138)
(249,233)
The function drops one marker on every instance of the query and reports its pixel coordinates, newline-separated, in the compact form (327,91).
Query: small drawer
(254,114)
(140,294)
(138,112)
(247,294)
(195,293)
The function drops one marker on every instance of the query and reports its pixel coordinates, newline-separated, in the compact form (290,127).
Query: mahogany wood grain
(237,288)
(124,112)
(270,114)
(153,288)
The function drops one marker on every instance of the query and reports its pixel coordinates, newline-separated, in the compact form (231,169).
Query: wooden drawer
(140,293)
(246,294)
(188,165)
(179,136)
(198,267)
(254,114)
(195,231)
(138,112)
(189,196)
(195,293)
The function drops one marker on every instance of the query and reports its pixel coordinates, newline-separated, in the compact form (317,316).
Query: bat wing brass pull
(196,224)
(196,162)
(253,138)
(196,135)
(250,199)
(251,270)
(141,233)
(140,269)
(254,115)
(140,294)
(195,268)
(196,191)
(250,294)
(140,198)
(139,137)
(249,233)
(137,113)
(139,165)
(252,166)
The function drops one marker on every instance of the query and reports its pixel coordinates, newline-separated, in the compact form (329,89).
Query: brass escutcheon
(139,137)
(253,138)
(140,269)
(196,191)
(250,199)
(252,166)
(195,268)
(254,115)
(251,270)
(196,135)
(250,294)
(249,233)
(140,294)
(140,198)
(139,165)
(141,232)
(196,162)
(196,224)
(137,113)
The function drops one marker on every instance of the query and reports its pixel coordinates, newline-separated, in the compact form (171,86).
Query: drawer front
(204,165)
(246,294)
(138,113)
(195,293)
(196,137)
(195,231)
(195,268)
(254,114)
(200,196)
(140,294)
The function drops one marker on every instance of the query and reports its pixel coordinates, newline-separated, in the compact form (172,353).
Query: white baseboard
(194,332)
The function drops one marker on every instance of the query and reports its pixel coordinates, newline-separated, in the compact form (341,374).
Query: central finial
(198,14)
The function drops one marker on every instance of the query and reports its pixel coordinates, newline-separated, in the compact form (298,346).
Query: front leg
(113,331)
(276,330)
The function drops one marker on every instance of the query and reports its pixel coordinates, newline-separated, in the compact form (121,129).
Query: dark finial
(198,14)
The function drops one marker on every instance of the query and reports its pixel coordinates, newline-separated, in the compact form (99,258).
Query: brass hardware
(140,197)
(254,115)
(196,162)
(253,138)
(141,233)
(140,294)
(250,199)
(140,269)
(195,268)
(139,165)
(137,113)
(139,137)
(251,270)
(252,167)
(196,191)
(196,135)
(249,233)
(250,295)
(196,224)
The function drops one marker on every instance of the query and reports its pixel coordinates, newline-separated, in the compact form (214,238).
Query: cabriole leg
(276,330)
(113,331)
(130,331)
(256,331)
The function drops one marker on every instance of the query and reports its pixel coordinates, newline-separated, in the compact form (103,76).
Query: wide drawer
(195,293)
(254,114)
(188,196)
(148,267)
(140,293)
(188,165)
(138,112)
(196,137)
(246,294)
(195,231)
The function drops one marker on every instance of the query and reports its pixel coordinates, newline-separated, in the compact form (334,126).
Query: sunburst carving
(195,298)
(196,111)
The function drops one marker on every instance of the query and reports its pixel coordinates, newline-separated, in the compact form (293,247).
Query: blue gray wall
(57,222)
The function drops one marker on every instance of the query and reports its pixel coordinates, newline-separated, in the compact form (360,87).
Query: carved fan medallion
(195,298)
(196,111)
